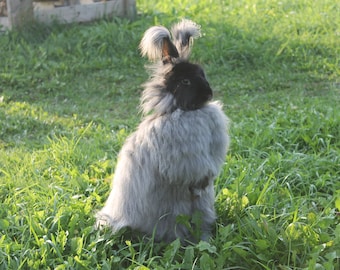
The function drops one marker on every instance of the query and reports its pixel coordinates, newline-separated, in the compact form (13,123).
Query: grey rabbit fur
(166,168)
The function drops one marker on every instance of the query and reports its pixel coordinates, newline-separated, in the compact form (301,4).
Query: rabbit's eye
(186,82)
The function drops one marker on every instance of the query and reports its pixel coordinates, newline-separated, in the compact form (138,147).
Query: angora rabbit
(166,168)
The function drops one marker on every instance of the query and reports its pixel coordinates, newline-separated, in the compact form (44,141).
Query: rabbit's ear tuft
(156,44)
(183,34)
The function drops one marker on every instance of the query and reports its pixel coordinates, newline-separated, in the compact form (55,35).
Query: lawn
(69,97)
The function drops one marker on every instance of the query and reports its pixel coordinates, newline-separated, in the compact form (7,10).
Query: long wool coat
(166,168)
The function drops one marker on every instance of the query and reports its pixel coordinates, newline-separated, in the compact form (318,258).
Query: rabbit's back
(187,145)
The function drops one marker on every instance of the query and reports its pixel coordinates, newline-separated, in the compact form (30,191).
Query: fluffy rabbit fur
(167,167)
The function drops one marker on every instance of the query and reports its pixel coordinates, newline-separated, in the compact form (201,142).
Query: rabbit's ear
(169,51)
(183,34)
(156,44)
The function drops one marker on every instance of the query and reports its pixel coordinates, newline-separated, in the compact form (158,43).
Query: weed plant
(69,98)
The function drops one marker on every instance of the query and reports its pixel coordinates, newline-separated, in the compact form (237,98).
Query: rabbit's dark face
(189,86)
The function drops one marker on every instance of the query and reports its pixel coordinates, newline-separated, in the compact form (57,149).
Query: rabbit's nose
(210,93)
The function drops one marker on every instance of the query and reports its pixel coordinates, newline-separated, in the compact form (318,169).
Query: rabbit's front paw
(196,190)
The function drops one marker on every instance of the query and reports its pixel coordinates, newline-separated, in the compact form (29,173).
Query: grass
(69,98)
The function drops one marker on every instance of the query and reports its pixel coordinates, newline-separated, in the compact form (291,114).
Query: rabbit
(166,168)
